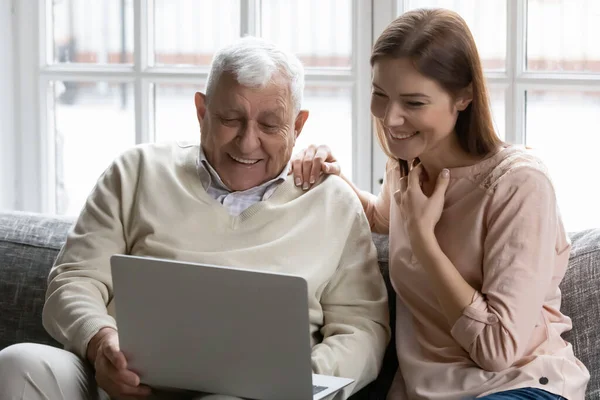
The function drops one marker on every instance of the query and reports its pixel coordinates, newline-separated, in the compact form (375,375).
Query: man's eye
(268,127)
(229,121)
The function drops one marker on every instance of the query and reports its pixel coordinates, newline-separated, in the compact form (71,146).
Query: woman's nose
(394,115)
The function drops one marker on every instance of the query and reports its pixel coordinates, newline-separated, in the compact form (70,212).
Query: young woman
(477,246)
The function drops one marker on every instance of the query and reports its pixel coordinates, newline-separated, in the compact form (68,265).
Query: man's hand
(110,364)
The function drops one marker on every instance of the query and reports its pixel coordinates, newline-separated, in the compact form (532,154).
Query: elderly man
(230,202)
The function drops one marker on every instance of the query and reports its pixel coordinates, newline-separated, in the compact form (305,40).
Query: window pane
(487,22)
(329,122)
(175,112)
(563,35)
(190,31)
(97,32)
(497,95)
(563,128)
(318,31)
(93,123)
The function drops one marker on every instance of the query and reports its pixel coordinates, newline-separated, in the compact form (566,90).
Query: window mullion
(515,60)
(384,11)
(402,7)
(141,14)
(27,103)
(48,145)
(362,139)
(46,125)
(250,17)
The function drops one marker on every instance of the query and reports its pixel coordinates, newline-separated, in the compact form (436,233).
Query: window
(542,64)
(97,77)
(116,73)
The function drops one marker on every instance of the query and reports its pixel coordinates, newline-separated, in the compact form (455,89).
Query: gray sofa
(29,243)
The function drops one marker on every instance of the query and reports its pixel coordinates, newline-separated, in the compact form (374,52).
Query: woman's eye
(415,104)
(378,94)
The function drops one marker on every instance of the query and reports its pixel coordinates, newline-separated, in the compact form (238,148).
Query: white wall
(7,109)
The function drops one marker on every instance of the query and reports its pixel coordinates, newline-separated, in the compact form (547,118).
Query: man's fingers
(121,390)
(119,383)
(114,355)
(127,377)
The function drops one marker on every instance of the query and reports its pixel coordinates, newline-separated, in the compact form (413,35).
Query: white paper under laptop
(217,329)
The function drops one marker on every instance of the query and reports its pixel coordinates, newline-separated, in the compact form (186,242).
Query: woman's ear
(464,98)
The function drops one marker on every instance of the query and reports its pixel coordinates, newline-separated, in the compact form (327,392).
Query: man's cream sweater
(150,202)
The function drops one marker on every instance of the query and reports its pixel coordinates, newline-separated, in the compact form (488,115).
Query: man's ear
(299,123)
(464,98)
(200,100)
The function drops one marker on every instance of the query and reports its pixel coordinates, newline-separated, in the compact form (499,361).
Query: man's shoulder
(337,189)
(156,154)
(159,150)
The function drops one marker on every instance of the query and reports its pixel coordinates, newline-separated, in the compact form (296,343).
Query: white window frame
(33,147)
(7,108)
(516,80)
(36,186)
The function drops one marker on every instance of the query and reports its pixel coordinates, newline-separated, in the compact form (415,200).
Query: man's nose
(395,115)
(249,138)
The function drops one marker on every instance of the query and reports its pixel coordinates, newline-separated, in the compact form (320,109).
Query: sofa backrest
(29,244)
(581,301)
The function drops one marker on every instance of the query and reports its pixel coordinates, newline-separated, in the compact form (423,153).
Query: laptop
(216,329)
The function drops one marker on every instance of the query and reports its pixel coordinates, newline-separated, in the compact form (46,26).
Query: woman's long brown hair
(442,48)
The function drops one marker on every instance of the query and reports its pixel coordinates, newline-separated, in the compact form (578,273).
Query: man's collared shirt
(235,202)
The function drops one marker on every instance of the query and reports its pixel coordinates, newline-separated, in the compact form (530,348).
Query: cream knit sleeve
(355,309)
(79,284)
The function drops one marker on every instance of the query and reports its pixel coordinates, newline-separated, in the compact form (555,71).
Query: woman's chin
(405,151)
(405,154)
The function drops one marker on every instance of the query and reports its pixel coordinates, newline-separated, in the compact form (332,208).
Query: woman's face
(417,114)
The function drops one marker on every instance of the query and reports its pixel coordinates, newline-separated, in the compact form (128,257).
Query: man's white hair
(253,62)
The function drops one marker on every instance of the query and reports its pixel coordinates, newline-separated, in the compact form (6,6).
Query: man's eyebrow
(277,113)
(229,110)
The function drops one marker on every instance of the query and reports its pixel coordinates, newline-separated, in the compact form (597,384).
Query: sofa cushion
(29,244)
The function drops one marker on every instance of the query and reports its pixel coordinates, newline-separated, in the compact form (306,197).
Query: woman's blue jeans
(523,394)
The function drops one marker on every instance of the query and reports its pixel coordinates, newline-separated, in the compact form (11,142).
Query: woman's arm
(453,292)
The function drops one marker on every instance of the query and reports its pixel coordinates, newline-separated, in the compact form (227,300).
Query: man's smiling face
(248,134)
